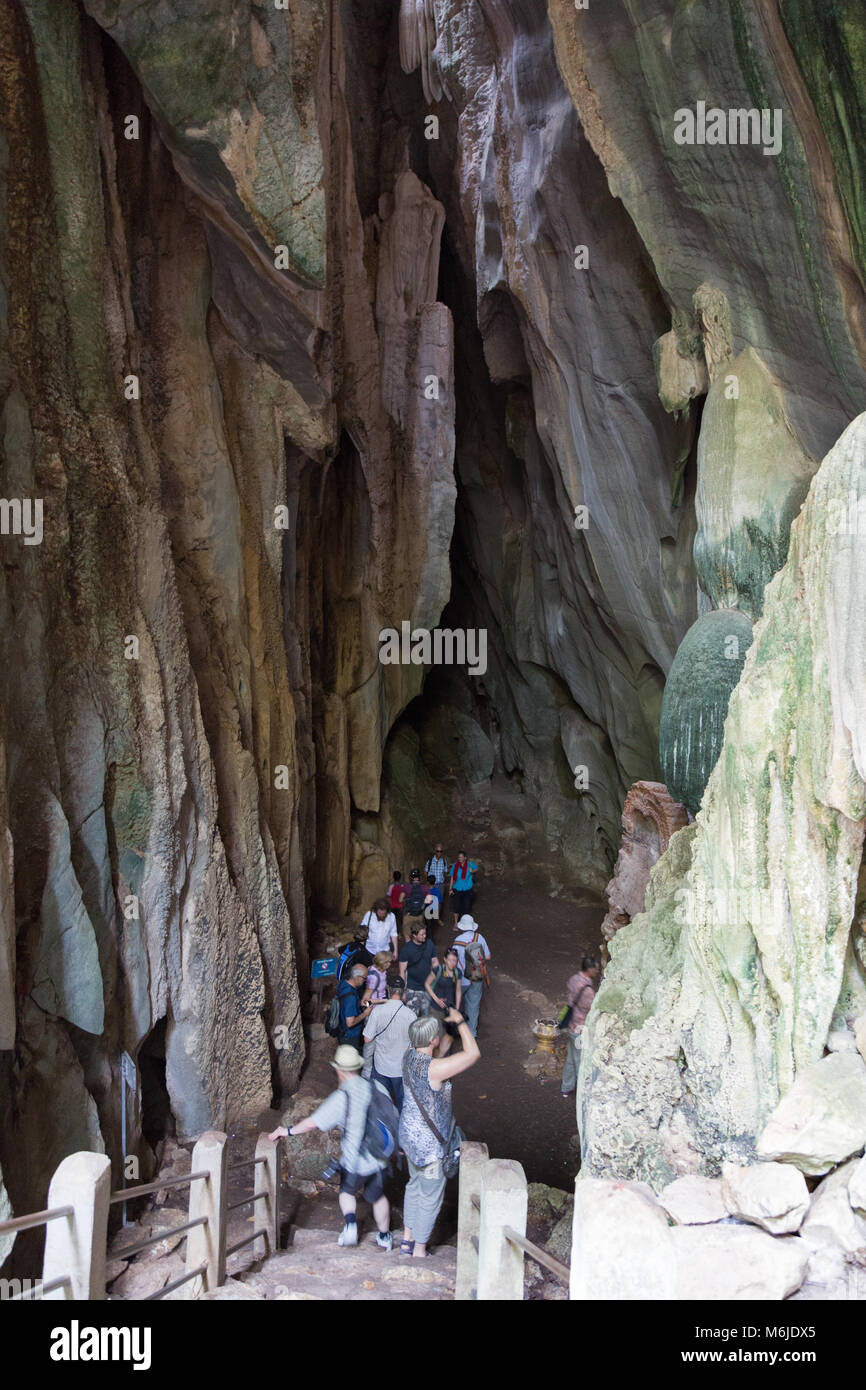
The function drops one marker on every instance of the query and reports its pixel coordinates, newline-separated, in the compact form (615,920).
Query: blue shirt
(436,890)
(350,1007)
(462,874)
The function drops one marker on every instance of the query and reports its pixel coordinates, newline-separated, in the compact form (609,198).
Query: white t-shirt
(379,934)
(461,942)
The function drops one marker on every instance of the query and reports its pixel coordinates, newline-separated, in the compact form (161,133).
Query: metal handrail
(247,1240)
(127,1252)
(245,1162)
(256,1197)
(126,1194)
(175,1283)
(41,1289)
(36,1218)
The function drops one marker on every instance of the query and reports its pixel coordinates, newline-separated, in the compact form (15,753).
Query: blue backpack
(380,1124)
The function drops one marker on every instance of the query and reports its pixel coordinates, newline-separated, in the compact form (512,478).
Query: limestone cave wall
(320,316)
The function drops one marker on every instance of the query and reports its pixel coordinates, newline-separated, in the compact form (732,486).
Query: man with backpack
(367,1120)
(388,1034)
(474,955)
(352,1013)
(418,897)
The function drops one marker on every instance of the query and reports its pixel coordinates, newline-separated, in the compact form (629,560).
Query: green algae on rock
(706,668)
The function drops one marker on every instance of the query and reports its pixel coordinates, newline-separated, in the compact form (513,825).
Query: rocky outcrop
(721,997)
(649,819)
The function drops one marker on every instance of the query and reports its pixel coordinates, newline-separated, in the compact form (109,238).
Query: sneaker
(385,1240)
(349,1234)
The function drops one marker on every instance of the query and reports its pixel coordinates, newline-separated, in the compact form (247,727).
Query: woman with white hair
(426,1123)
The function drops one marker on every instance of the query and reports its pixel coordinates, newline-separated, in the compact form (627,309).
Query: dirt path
(536,943)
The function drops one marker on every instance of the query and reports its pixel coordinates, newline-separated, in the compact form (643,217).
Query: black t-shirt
(419,962)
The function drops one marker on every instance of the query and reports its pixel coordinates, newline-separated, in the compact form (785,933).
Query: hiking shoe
(349,1234)
(385,1240)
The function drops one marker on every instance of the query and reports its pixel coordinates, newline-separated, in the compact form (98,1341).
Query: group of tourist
(402,1006)
(418,1077)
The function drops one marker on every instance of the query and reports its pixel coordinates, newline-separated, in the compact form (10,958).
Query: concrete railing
(76,1220)
(491,1229)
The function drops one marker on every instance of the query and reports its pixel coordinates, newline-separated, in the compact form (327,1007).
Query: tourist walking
(396,895)
(436,868)
(461,882)
(413,907)
(387,1035)
(381,927)
(426,1123)
(417,958)
(443,986)
(346,1109)
(375,993)
(581,992)
(474,955)
(353,1014)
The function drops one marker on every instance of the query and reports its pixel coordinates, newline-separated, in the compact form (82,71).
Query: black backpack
(414,903)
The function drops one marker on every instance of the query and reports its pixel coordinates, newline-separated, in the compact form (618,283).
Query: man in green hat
(346,1109)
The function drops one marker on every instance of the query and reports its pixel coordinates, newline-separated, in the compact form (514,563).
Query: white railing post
(472,1160)
(75,1245)
(504,1201)
(267,1180)
(207,1197)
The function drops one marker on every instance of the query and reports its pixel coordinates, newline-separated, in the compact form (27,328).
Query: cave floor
(536,943)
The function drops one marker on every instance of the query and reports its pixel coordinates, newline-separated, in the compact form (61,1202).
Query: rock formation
(649,818)
(321,319)
(721,998)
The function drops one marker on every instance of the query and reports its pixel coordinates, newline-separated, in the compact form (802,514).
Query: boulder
(822,1119)
(857,1187)
(621,1244)
(841,1040)
(860,1035)
(771,1195)
(832,1220)
(693,1200)
(731,1262)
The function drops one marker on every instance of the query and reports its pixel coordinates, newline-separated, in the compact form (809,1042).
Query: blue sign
(323,968)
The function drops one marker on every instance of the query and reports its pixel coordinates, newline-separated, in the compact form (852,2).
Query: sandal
(406,1247)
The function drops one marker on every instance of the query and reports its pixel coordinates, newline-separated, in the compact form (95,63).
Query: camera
(331,1171)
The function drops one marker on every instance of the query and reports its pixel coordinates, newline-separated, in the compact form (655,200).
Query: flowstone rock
(706,669)
(722,994)
(752,478)
(649,819)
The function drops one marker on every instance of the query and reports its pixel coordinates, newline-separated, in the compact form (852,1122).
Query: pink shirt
(581,992)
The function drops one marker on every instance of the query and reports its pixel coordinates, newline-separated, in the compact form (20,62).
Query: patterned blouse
(417,1139)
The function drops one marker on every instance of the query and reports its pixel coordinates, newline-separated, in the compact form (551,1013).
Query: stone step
(314,1267)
